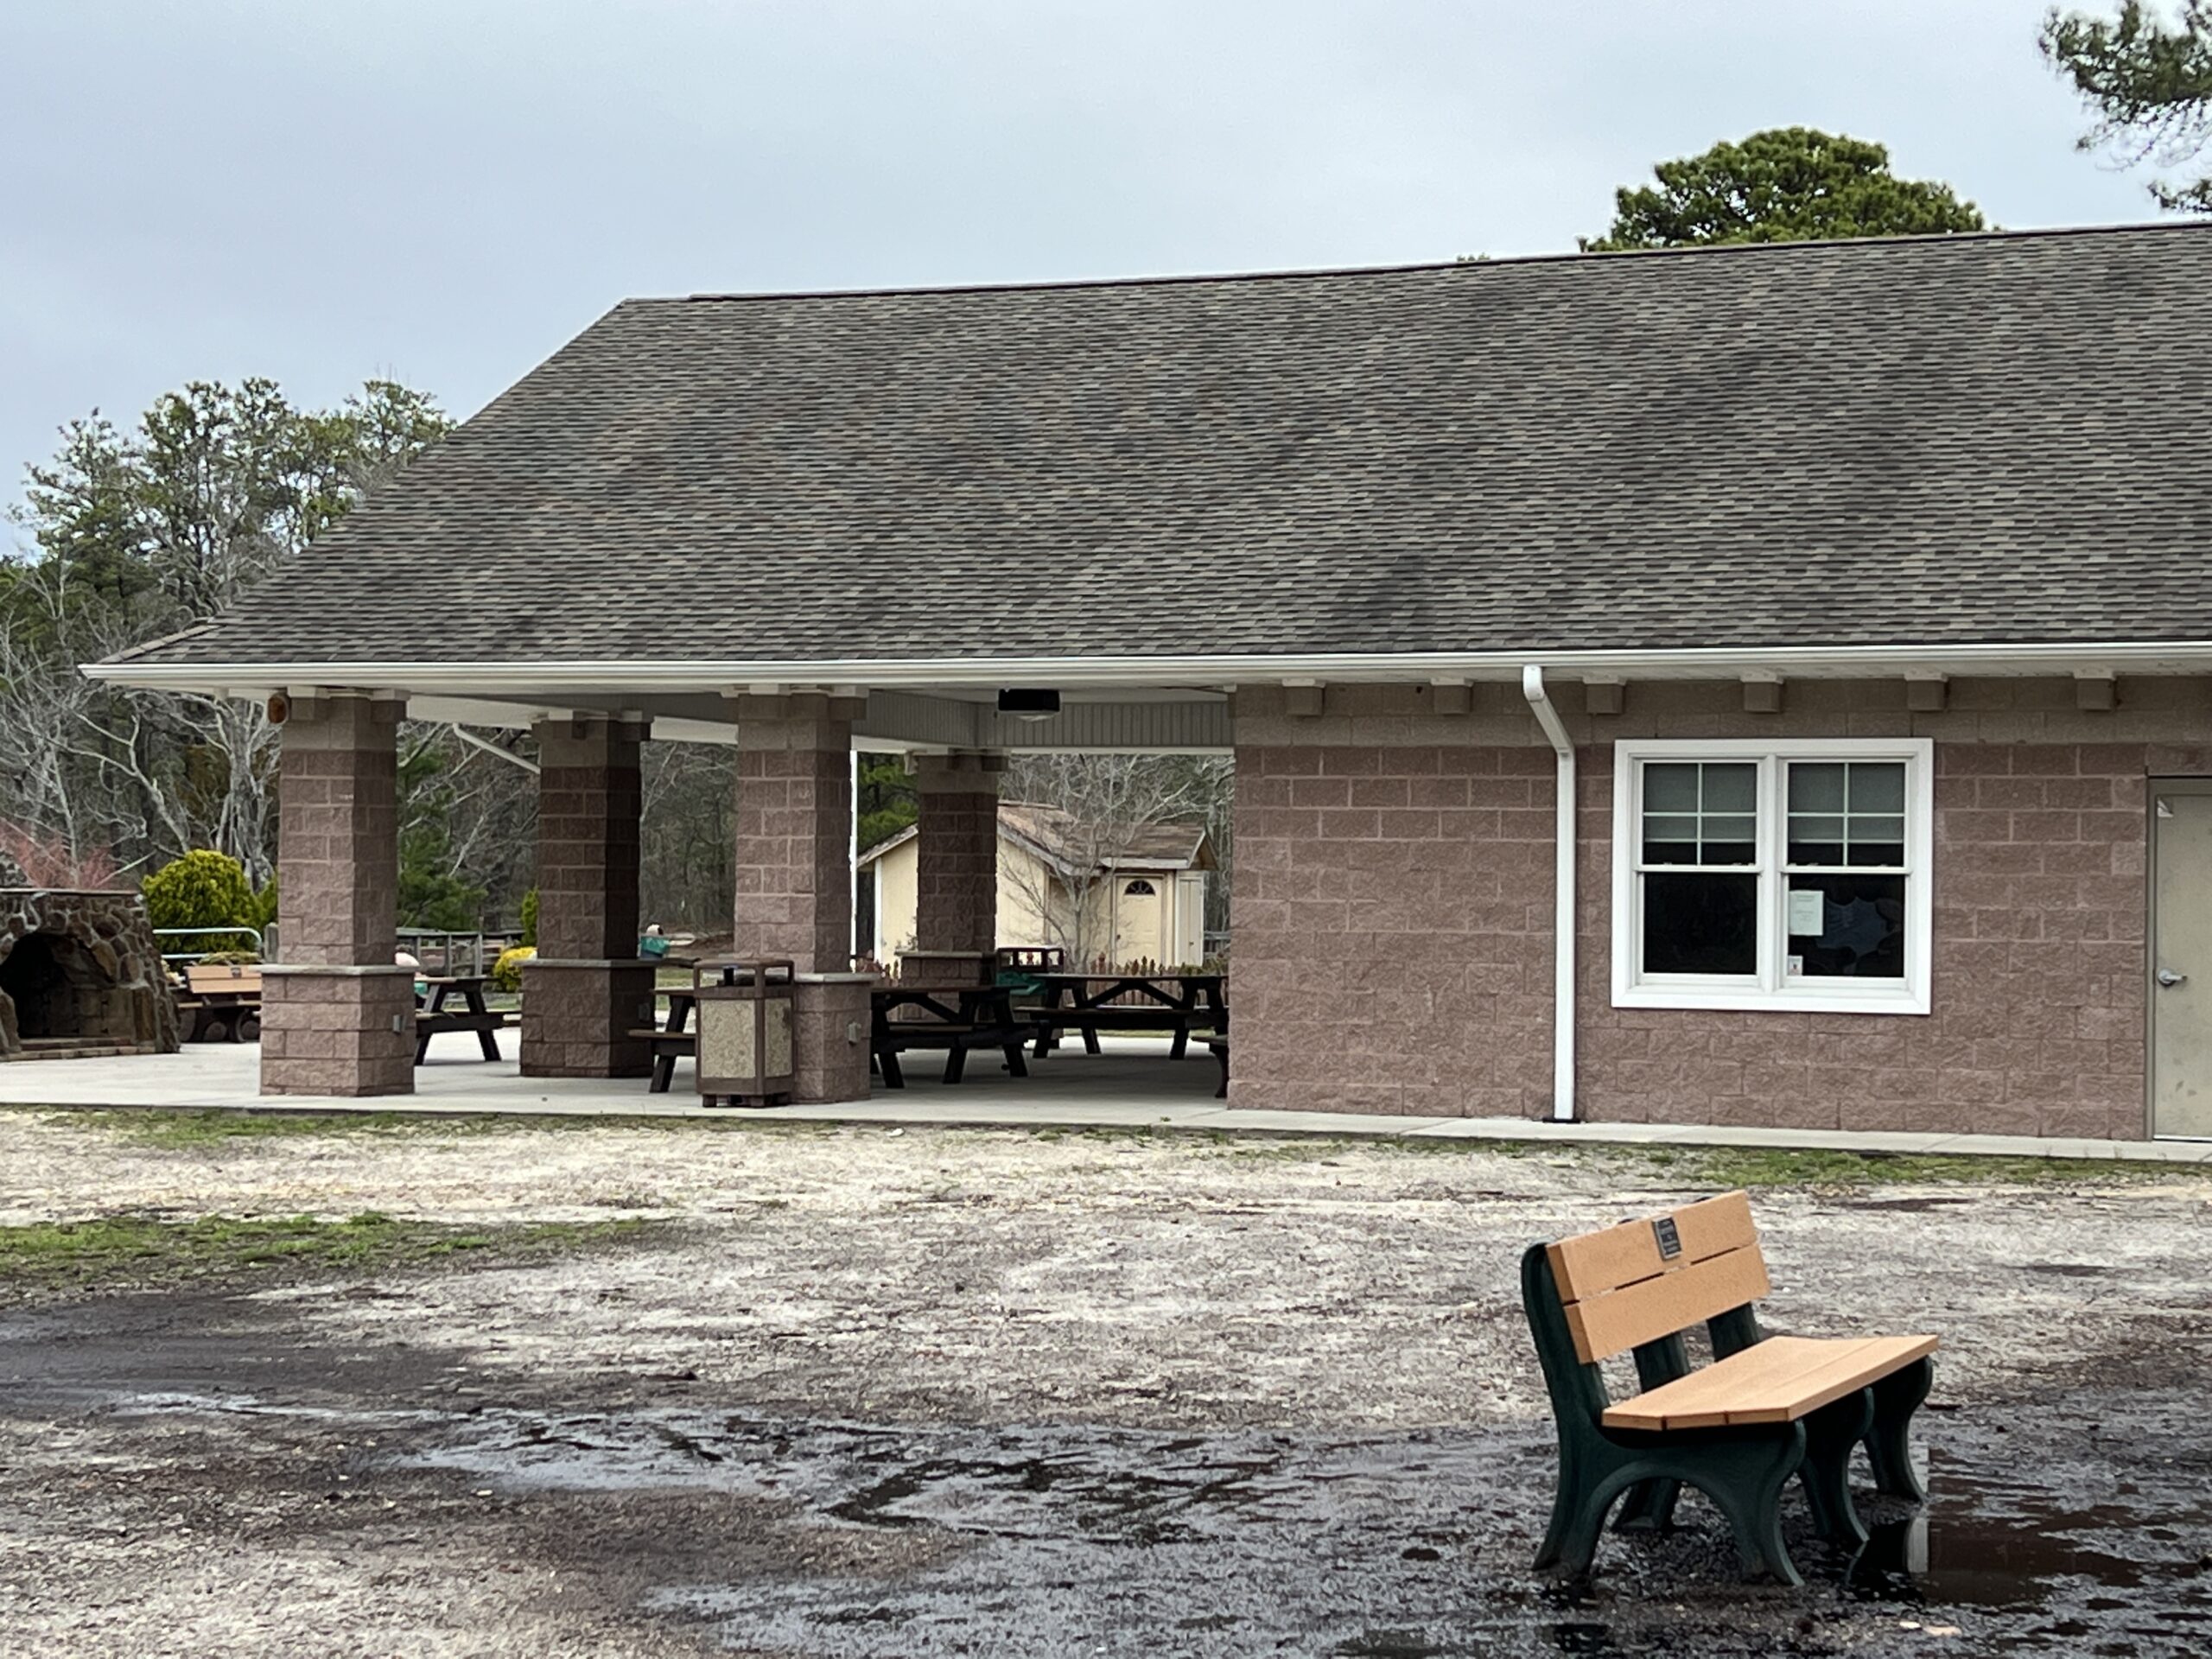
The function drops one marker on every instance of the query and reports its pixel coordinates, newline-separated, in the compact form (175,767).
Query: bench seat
(1777,1381)
(667,1046)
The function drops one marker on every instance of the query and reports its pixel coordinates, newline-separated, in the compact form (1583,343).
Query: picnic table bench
(433,1018)
(672,1042)
(1088,1003)
(955,1018)
(1766,1409)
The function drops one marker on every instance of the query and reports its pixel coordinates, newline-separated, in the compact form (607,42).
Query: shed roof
(1942,441)
(1061,838)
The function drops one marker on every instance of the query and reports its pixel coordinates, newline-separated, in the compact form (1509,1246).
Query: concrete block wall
(337,1016)
(589,800)
(587,990)
(1392,948)
(793,832)
(956,852)
(1379,967)
(578,1015)
(2041,910)
(338,1032)
(337,831)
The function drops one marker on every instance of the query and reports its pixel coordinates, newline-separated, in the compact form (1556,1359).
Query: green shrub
(262,911)
(506,972)
(201,889)
(529,917)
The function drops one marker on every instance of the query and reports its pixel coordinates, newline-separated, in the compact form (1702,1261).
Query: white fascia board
(503,680)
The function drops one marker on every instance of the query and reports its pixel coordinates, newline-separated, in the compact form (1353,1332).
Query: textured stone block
(577,1017)
(800,904)
(338,1032)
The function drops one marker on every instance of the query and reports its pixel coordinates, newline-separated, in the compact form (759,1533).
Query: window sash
(1769,985)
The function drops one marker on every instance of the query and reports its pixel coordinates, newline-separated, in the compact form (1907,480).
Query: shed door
(2181,961)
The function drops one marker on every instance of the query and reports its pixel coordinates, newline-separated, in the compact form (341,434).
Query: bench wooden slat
(1777,1381)
(1670,1302)
(1608,1259)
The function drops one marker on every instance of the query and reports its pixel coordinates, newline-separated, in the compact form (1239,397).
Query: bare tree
(688,878)
(134,534)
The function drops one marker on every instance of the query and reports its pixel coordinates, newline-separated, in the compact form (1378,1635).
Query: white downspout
(1563,922)
(853,862)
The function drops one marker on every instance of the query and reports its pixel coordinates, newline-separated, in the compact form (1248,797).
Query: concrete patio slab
(1133,1084)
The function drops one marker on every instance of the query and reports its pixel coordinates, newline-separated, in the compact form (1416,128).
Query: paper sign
(1792,966)
(1805,913)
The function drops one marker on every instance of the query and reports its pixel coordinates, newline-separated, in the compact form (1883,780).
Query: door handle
(2167,979)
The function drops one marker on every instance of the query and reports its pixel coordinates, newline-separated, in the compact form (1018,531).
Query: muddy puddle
(1069,1541)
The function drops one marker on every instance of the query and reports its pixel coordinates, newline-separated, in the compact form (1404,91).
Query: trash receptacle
(746,1032)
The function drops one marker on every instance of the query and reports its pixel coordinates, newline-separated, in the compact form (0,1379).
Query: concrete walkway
(1133,1084)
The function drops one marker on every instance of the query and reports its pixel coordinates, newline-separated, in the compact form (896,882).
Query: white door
(2181,960)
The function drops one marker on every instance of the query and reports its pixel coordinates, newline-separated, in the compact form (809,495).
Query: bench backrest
(222,976)
(1648,1278)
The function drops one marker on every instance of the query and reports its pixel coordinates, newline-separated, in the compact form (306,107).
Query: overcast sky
(442,191)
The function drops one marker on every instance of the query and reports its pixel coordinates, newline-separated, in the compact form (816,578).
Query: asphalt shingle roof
(1947,440)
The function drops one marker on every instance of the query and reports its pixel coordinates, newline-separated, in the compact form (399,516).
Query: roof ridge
(1468,264)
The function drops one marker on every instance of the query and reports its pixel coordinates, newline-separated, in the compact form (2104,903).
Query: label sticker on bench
(1670,1240)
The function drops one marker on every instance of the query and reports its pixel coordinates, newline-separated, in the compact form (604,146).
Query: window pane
(1731,787)
(1846,814)
(1670,788)
(1875,854)
(1848,926)
(1815,786)
(1700,812)
(1699,924)
(1877,787)
(1670,838)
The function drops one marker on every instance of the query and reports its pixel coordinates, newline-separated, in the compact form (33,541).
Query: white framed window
(1753,873)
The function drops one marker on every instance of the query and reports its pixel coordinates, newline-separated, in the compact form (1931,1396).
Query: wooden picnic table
(1088,1002)
(957,1017)
(432,1017)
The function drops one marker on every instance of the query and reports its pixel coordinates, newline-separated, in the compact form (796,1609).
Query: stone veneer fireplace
(79,972)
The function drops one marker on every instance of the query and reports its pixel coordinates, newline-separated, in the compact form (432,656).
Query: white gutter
(1563,919)
(502,679)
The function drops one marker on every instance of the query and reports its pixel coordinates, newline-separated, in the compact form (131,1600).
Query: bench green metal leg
(1897,1398)
(1744,1480)
(1830,1433)
(1751,1500)
(1649,1507)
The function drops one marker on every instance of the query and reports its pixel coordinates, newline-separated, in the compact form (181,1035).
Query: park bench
(221,1001)
(1766,1409)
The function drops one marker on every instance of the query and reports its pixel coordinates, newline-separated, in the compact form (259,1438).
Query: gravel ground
(865,1391)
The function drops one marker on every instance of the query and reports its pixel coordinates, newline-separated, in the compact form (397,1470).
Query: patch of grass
(1757,1167)
(182,1128)
(131,1250)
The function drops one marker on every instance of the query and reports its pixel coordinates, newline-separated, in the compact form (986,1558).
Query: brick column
(589,989)
(957,844)
(794,829)
(337,1017)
